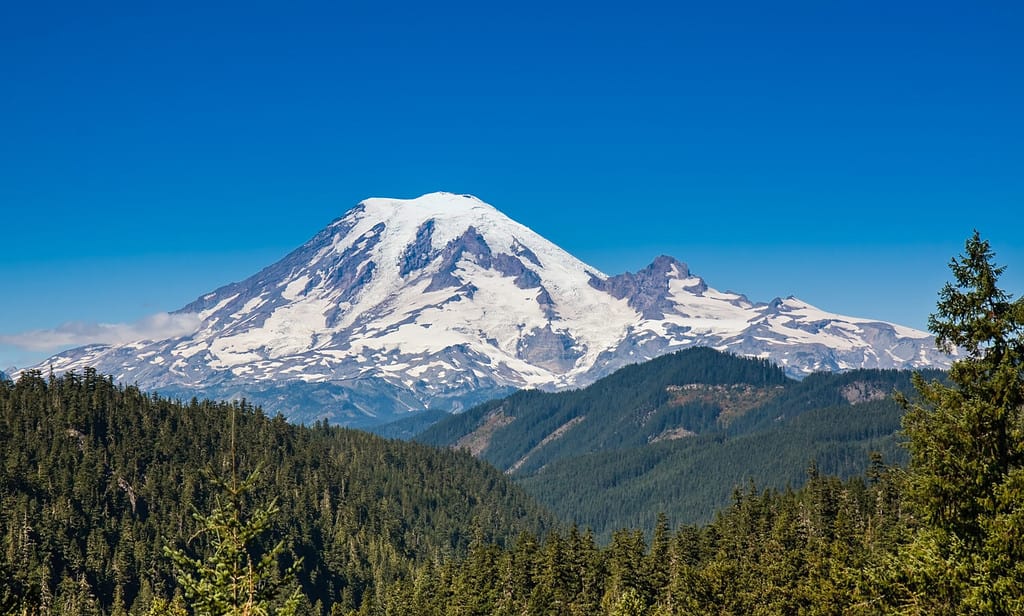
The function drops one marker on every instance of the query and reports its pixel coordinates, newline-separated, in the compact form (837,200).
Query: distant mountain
(407,428)
(444,302)
(677,434)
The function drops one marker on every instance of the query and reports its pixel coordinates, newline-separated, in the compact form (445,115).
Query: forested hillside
(818,550)
(633,406)
(677,434)
(691,480)
(96,479)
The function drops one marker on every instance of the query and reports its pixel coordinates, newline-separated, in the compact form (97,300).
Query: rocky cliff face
(442,301)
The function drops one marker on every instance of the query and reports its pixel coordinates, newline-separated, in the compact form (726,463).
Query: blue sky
(837,151)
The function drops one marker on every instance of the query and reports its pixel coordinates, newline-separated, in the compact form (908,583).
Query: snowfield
(442,300)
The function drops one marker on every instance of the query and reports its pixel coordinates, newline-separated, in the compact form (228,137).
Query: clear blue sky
(836,151)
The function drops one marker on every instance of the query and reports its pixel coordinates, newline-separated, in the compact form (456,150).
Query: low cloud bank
(159,326)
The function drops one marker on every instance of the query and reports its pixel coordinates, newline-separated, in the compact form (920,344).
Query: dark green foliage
(692,479)
(967,447)
(624,409)
(966,437)
(677,434)
(770,552)
(232,580)
(95,479)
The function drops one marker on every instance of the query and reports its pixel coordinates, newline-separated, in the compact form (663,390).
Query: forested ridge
(819,550)
(691,480)
(624,409)
(676,434)
(96,479)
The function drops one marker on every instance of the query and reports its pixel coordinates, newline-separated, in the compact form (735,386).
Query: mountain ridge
(678,434)
(442,302)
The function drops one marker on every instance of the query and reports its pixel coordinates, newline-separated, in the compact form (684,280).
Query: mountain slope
(443,302)
(636,405)
(691,393)
(679,433)
(691,479)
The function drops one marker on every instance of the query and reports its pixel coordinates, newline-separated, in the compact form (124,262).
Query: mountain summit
(443,301)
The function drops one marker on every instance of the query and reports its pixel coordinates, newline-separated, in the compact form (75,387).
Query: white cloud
(159,326)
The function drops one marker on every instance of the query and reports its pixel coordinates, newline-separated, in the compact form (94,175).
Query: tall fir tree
(967,452)
(236,579)
(232,581)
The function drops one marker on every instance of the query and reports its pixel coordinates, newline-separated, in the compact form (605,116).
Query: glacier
(442,302)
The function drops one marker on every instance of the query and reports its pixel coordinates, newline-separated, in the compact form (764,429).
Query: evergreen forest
(96,479)
(676,434)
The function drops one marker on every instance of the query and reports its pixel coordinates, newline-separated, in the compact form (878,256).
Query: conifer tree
(234,580)
(967,451)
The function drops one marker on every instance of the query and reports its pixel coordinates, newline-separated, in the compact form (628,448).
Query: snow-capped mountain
(443,301)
